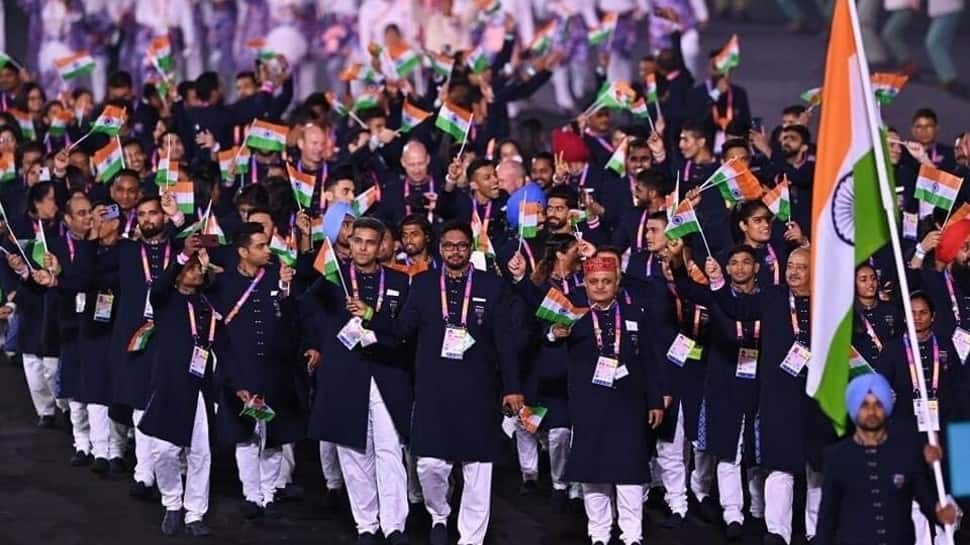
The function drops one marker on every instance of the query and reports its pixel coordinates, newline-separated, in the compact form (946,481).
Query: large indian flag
(849,220)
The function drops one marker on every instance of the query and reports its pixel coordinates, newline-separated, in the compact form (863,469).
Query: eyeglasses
(452,246)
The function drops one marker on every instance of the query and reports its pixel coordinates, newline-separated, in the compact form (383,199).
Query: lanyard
(775,266)
(598,332)
(128,223)
(245,296)
(794,316)
(602,141)
(679,309)
(954,302)
(528,253)
(725,120)
(640,229)
(70,246)
(145,265)
(488,215)
(740,332)
(407,201)
(871,331)
(193,327)
(464,304)
(650,265)
(633,190)
(380,287)
(686,177)
(912,365)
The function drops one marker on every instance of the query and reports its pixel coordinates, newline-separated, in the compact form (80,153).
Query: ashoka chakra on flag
(843,209)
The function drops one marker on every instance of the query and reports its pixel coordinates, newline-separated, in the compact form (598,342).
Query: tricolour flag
(412,116)
(442,64)
(477,59)
(453,120)
(260,49)
(267,136)
(59,123)
(937,187)
(849,222)
(74,66)
(813,97)
(480,239)
(25,122)
(529,219)
(639,109)
(558,309)
(284,249)
(729,57)
(359,72)
(858,364)
(744,186)
(160,54)
(683,222)
(366,200)
(886,86)
(167,172)
(302,184)
(543,39)
(404,58)
(650,88)
(8,170)
(227,160)
(616,95)
(139,340)
(489,8)
(365,101)
(109,161)
(110,121)
(211,226)
(577,216)
(531,418)
(778,200)
(326,262)
(600,33)
(617,162)
(184,191)
(7,59)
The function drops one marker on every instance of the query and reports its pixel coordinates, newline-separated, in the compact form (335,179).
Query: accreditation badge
(921,423)
(605,372)
(961,341)
(796,359)
(197,364)
(456,341)
(102,307)
(747,363)
(680,350)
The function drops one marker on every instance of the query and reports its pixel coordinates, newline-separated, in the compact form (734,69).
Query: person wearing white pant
(194,497)
(779,495)
(476,493)
(376,477)
(527,446)
(673,468)
(41,374)
(106,443)
(330,464)
(144,465)
(81,430)
(258,470)
(598,499)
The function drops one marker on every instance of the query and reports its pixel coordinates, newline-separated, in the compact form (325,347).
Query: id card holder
(367,338)
(349,335)
(605,372)
(621,372)
(455,343)
(934,408)
(910,221)
(680,350)
(961,341)
(197,364)
(149,310)
(696,352)
(796,359)
(747,363)
(80,301)
(102,307)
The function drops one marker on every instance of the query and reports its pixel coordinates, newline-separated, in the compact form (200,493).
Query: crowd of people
(389,272)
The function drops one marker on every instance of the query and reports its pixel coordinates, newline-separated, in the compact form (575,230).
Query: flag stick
(357,119)
(13,237)
(653,128)
(464,139)
(79,140)
(340,273)
(700,228)
(889,206)
(591,107)
(118,140)
(43,238)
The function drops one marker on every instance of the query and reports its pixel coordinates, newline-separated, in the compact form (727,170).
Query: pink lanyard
(464,305)
(740,332)
(871,331)
(192,324)
(954,302)
(640,229)
(146,266)
(528,253)
(245,296)
(912,366)
(775,266)
(598,332)
(380,287)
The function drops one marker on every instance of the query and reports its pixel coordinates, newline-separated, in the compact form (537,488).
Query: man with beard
(415,256)
(796,164)
(463,322)
(560,202)
(873,477)
(139,264)
(487,205)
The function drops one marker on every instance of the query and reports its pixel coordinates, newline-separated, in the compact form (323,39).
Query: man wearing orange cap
(614,395)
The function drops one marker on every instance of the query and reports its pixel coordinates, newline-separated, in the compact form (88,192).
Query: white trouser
(702,477)
(331,465)
(80,427)
(690,48)
(475,497)
(779,494)
(414,484)
(168,469)
(107,441)
(41,376)
(527,445)
(258,471)
(376,477)
(287,466)
(144,466)
(598,500)
(560,87)
(673,469)
(756,492)
(922,527)
(729,483)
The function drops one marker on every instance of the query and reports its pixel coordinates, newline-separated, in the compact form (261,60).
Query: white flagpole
(889,205)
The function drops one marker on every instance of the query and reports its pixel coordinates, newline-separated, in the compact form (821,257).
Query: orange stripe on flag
(941,177)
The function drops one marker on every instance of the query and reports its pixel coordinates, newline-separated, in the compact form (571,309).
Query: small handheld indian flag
(302,184)
(74,66)
(359,72)
(937,187)
(531,418)
(412,116)
(543,39)
(477,59)
(617,162)
(886,86)
(558,309)
(639,109)
(211,227)
(778,201)
(480,239)
(266,136)
(650,88)
(184,191)
(577,216)
(683,222)
(110,121)
(453,120)
(260,49)
(812,97)
(25,122)
(326,263)
(367,199)
(858,364)
(59,123)
(442,64)
(284,250)
(616,95)
(405,59)
(7,59)
(366,100)
(261,413)
(316,229)
(600,33)
(8,169)
(160,54)
(529,219)
(139,340)
(109,161)
(737,186)
(489,8)
(38,246)
(227,162)
(167,172)
(729,57)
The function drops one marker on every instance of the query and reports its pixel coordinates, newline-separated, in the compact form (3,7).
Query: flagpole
(889,206)
(464,139)
(13,237)
(357,119)
(79,140)
(122,150)
(950,210)
(340,273)
(700,228)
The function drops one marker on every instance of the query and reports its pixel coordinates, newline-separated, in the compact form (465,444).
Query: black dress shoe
(734,531)
(709,510)
(80,459)
(439,535)
(558,500)
(366,538)
(675,520)
(250,510)
(197,529)
(655,499)
(397,537)
(774,539)
(528,487)
(118,466)
(271,511)
(100,466)
(172,522)
(47,422)
(334,498)
(140,490)
(291,492)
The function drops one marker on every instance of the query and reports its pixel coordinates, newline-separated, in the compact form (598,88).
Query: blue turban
(334,217)
(530,192)
(859,387)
